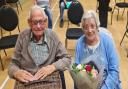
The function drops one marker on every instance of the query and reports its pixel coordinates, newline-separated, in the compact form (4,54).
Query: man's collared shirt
(39,49)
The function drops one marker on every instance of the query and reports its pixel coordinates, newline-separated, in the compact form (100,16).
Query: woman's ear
(97,27)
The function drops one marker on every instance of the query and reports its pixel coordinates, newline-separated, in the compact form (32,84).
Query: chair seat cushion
(74,33)
(8,41)
(122,5)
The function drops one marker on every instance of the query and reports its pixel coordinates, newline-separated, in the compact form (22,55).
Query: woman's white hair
(36,7)
(90,14)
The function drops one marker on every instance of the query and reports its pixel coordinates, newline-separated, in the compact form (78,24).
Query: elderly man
(38,55)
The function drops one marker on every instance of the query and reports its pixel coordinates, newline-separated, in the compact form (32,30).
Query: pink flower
(94,73)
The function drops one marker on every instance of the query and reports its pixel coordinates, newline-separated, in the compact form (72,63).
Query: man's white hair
(36,7)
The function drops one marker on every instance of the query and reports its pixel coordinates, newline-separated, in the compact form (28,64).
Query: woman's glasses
(90,26)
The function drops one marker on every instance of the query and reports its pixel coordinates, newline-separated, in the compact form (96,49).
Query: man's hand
(44,72)
(23,76)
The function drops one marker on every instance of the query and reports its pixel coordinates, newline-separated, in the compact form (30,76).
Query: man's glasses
(41,22)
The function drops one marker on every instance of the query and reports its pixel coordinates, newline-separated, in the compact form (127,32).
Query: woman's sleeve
(112,78)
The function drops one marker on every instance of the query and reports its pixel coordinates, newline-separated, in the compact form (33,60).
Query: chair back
(8,18)
(12,1)
(75,12)
(2,2)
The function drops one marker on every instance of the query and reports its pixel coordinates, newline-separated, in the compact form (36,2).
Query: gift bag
(82,78)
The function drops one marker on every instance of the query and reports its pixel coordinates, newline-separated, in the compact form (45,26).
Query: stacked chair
(119,5)
(8,22)
(75,13)
(126,31)
(16,3)
(125,34)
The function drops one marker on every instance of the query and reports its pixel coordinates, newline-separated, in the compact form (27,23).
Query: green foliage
(75,69)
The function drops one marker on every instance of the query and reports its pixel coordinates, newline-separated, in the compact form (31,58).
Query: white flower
(79,66)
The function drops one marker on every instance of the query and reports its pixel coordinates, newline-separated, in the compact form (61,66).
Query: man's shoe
(61,23)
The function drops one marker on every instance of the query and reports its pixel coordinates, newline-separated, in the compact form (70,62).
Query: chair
(118,6)
(75,13)
(16,2)
(8,22)
(126,32)
(2,2)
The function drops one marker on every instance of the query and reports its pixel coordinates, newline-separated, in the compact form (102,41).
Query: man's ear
(29,22)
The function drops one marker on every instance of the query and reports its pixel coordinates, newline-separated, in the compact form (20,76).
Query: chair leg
(123,37)
(18,28)
(20,5)
(10,33)
(1,63)
(97,5)
(123,12)
(112,15)
(66,43)
(17,8)
(5,52)
(118,15)
(68,24)
(1,32)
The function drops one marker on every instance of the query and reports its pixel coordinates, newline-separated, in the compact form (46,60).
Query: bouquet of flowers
(89,68)
(88,75)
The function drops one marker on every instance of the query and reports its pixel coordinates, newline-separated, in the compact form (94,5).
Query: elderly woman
(96,41)
(39,55)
